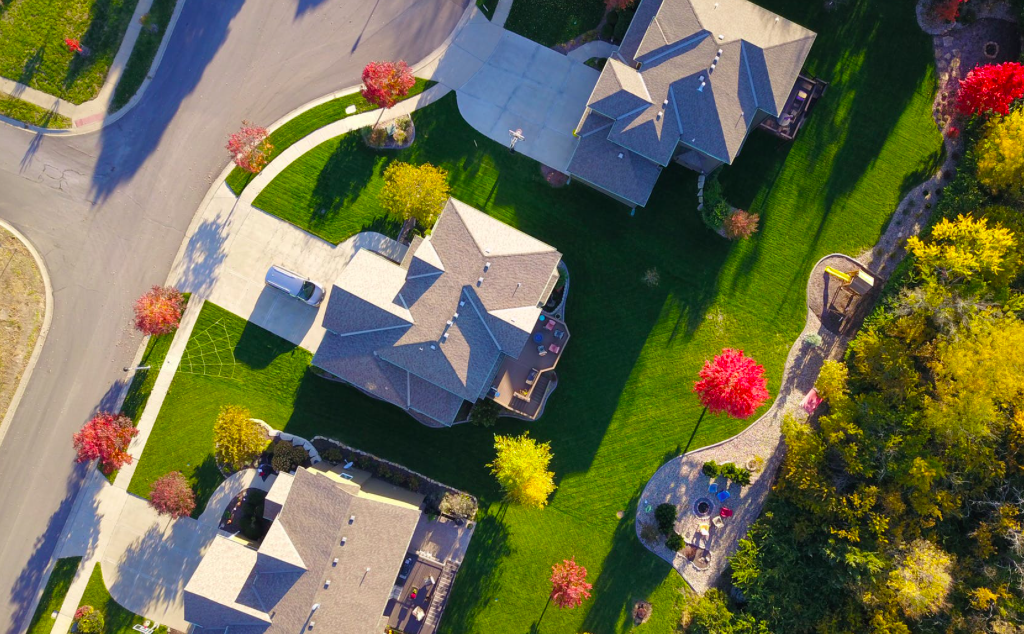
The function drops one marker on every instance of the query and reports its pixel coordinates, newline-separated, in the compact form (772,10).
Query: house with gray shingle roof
(689,82)
(430,334)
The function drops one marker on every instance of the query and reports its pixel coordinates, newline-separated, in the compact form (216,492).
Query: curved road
(109,210)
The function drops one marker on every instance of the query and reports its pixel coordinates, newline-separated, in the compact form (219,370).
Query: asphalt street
(108,211)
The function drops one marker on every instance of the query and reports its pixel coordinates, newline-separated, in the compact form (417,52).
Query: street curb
(44,329)
(112,118)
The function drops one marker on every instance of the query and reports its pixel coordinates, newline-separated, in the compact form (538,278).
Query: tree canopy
(732,383)
(414,191)
(238,439)
(521,467)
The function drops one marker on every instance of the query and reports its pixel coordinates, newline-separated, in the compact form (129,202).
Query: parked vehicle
(295,285)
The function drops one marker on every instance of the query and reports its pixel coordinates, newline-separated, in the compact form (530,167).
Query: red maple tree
(105,438)
(249,147)
(569,585)
(384,83)
(73,45)
(991,88)
(171,495)
(732,383)
(947,10)
(158,312)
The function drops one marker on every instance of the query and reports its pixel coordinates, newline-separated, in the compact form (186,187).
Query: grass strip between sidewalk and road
(310,121)
(146,47)
(32,114)
(117,619)
(53,595)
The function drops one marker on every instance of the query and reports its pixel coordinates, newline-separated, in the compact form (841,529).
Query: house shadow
(28,584)
(258,347)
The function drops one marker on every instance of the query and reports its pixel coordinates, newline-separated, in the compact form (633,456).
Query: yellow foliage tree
(1000,153)
(521,468)
(238,439)
(922,579)
(965,249)
(414,191)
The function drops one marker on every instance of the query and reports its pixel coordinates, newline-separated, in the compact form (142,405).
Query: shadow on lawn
(478,583)
(343,178)
(107,24)
(205,479)
(258,350)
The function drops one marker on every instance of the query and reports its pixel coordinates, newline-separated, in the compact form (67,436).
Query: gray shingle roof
(315,517)
(469,293)
(675,43)
(597,161)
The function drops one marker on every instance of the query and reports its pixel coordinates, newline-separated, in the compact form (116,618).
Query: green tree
(521,467)
(238,439)
(414,191)
(1000,155)
(921,579)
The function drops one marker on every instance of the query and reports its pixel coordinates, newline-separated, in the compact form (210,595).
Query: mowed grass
(551,22)
(53,594)
(311,120)
(624,403)
(32,49)
(32,114)
(143,53)
(117,619)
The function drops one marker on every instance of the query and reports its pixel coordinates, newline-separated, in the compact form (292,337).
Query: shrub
(378,136)
(172,495)
(249,147)
(832,381)
(737,474)
(334,455)
(813,339)
(608,31)
(484,413)
(674,542)
(641,612)
(649,533)
(399,136)
(237,438)
(458,505)
(158,312)
(286,457)
(665,516)
(740,225)
(711,469)
(991,88)
(403,124)
(1000,155)
(88,620)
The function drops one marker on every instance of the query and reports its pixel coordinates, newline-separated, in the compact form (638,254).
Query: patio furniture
(559,334)
(541,351)
(725,512)
(705,530)
(550,325)
(717,521)
(713,488)
(811,401)
(555,348)
(541,318)
(538,338)
(723,496)
(418,613)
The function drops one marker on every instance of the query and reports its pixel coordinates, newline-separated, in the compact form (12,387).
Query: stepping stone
(947,41)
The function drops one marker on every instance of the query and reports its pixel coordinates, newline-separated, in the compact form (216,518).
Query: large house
(690,81)
(340,556)
(458,319)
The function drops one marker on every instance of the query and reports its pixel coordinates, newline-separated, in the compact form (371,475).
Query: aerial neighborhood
(464,316)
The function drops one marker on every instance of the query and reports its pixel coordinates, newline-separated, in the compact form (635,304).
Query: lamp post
(515,136)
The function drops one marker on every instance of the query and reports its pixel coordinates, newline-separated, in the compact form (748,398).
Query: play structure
(853,285)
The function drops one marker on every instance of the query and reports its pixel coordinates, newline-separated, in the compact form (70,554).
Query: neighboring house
(690,81)
(432,334)
(336,559)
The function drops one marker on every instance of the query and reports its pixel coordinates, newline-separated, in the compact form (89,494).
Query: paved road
(109,210)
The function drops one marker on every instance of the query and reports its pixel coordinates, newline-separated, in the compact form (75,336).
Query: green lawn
(624,404)
(53,595)
(143,52)
(117,619)
(31,113)
(551,22)
(311,120)
(32,49)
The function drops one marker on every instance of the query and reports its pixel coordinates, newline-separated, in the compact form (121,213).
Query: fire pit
(991,50)
(703,507)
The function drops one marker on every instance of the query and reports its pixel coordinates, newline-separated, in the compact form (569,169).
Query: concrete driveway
(523,85)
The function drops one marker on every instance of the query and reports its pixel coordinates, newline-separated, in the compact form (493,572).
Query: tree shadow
(479,581)
(203,257)
(125,146)
(28,71)
(28,586)
(342,179)
(305,6)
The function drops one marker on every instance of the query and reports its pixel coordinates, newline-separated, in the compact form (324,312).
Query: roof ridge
(366,332)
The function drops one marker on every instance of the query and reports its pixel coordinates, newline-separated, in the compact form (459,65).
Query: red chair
(725,512)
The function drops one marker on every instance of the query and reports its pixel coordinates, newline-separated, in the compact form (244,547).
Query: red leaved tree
(740,224)
(384,83)
(249,147)
(158,312)
(732,383)
(569,585)
(171,495)
(991,88)
(73,45)
(105,438)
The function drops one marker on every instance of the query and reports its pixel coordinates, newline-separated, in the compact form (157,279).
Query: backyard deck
(514,387)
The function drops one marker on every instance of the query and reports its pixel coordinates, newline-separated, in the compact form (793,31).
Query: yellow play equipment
(855,283)
(836,273)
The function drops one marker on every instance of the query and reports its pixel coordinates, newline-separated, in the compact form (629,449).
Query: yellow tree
(962,250)
(414,191)
(1000,153)
(238,439)
(922,579)
(521,468)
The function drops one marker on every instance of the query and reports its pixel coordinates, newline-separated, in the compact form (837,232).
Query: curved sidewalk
(681,481)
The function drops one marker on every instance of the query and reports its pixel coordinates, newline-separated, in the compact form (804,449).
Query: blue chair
(723,496)
(713,488)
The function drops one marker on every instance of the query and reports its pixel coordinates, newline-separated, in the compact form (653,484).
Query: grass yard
(32,49)
(311,120)
(624,403)
(53,594)
(117,619)
(551,22)
(32,114)
(143,53)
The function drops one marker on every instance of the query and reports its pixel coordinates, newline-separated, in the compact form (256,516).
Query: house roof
(707,67)
(428,333)
(237,586)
